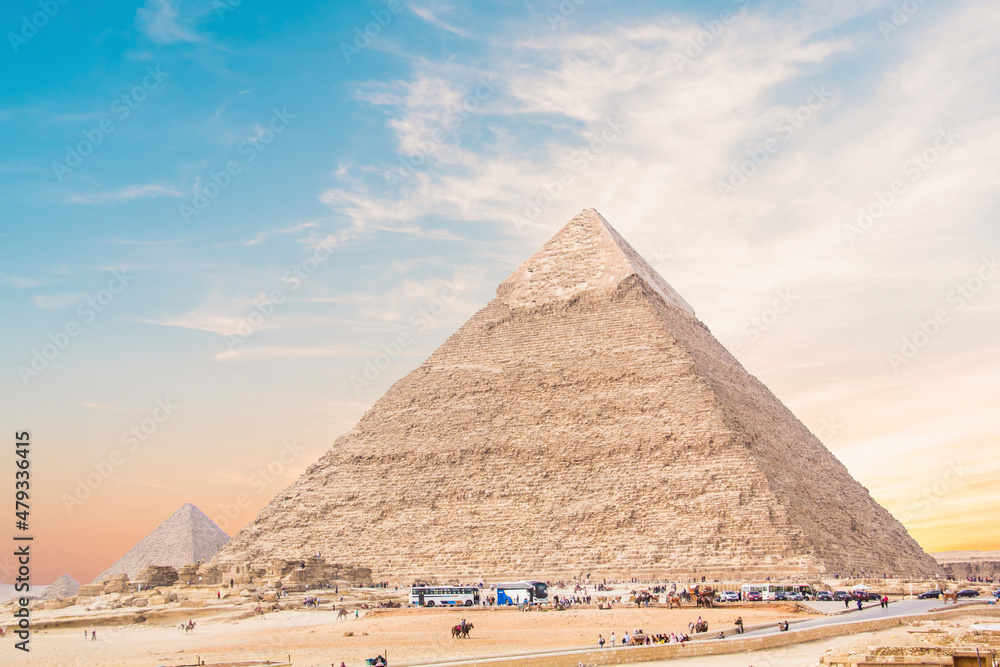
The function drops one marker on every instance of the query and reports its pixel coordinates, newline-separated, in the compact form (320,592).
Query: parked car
(795,597)
(780,597)
(753,596)
(968,593)
(840,596)
(929,594)
(824,596)
(864,596)
(729,596)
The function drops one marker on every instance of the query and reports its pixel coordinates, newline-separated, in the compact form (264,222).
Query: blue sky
(287,198)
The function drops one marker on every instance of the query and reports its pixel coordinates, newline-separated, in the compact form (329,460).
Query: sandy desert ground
(317,638)
(227,631)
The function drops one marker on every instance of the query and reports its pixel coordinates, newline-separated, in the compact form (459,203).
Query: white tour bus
(769,590)
(520,592)
(444,596)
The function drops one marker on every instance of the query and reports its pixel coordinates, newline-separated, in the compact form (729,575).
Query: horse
(342,614)
(461,631)
(643,598)
(673,601)
(705,600)
(186,627)
(950,596)
(698,627)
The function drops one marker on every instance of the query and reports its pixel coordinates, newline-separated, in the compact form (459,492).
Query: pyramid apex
(587,254)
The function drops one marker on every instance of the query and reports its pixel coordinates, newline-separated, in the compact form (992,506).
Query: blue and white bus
(444,596)
(519,592)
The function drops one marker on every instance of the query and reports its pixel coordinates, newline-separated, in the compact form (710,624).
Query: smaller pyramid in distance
(63,587)
(188,536)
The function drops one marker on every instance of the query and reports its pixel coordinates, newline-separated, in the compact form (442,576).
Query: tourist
(93,636)
(625,639)
(612,639)
(600,641)
(722,635)
(739,625)
(847,603)
(859,604)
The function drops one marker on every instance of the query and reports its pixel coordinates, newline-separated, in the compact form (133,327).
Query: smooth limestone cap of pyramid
(587,254)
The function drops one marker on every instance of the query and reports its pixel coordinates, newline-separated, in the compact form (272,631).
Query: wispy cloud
(431,17)
(291,352)
(266,234)
(21,283)
(58,301)
(149,191)
(160,21)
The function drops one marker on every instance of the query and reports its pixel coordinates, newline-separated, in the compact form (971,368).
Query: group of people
(673,638)
(883,602)
(567,601)
(633,640)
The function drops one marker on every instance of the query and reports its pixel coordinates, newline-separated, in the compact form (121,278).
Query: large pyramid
(584,421)
(186,537)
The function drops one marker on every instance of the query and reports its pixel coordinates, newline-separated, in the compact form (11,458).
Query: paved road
(871,611)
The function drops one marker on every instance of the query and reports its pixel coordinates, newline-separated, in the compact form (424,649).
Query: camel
(461,631)
(342,614)
(698,627)
(673,601)
(950,596)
